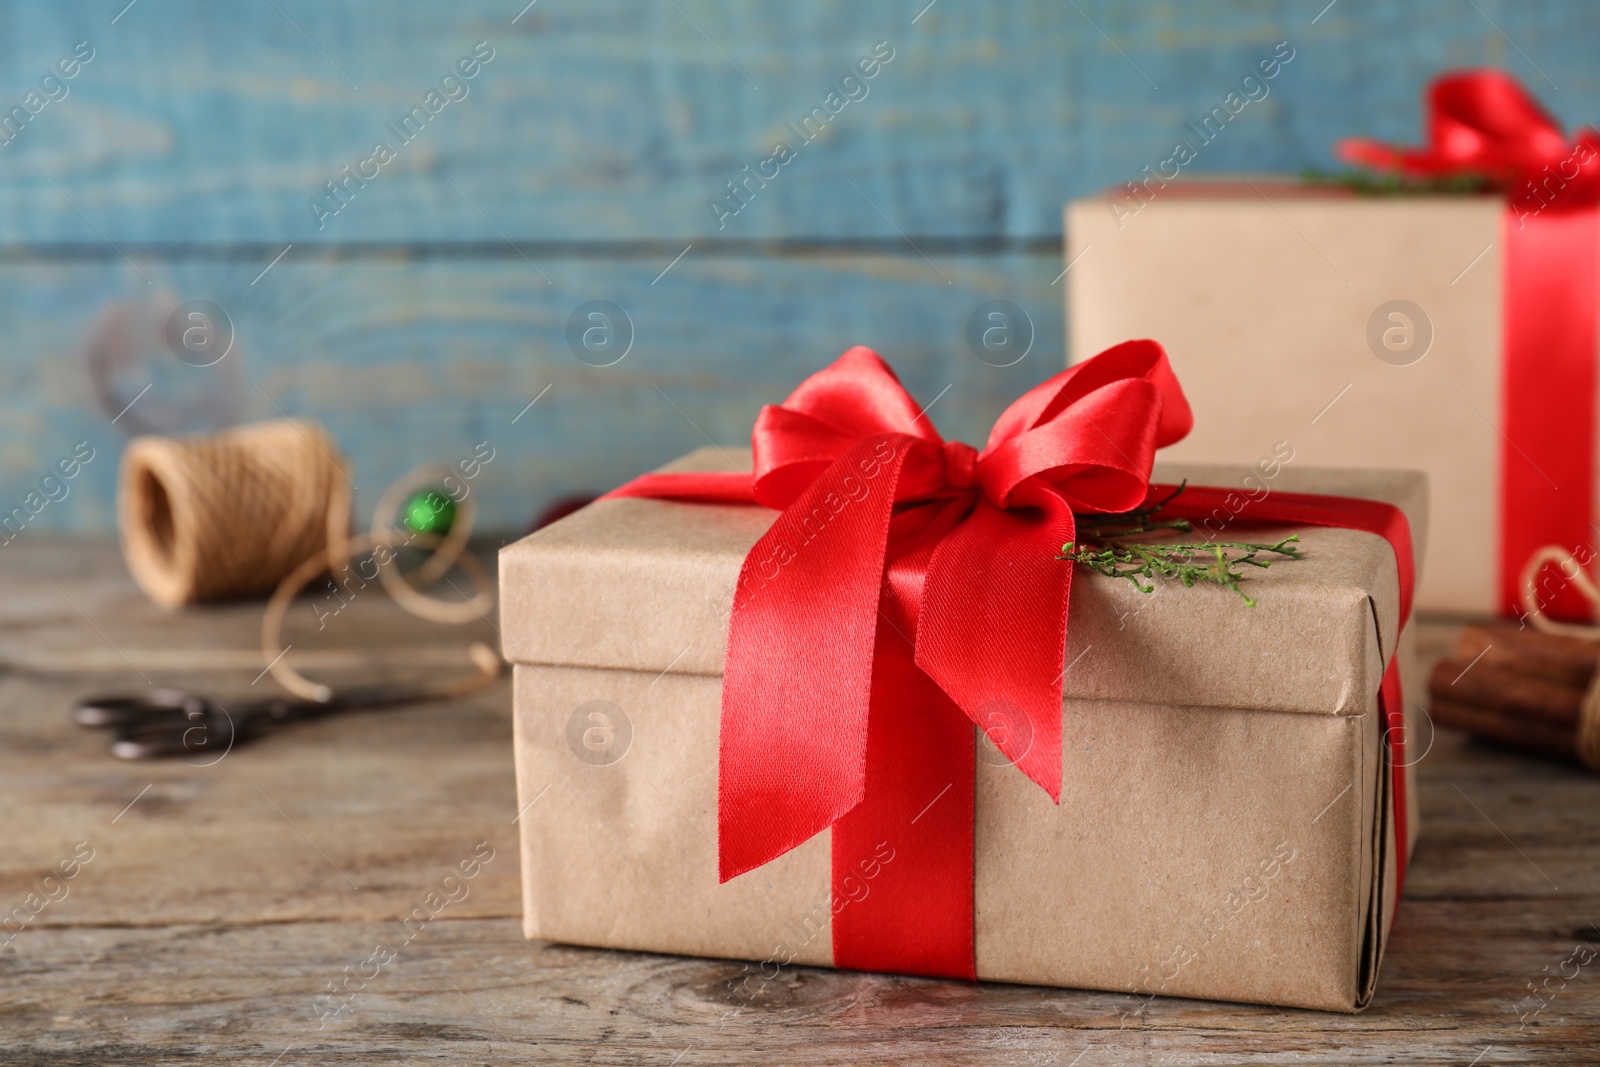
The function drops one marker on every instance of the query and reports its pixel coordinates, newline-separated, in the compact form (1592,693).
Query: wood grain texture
(472,991)
(207,928)
(618,121)
(415,361)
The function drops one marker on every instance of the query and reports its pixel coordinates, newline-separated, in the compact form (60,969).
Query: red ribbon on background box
(909,589)
(1485,124)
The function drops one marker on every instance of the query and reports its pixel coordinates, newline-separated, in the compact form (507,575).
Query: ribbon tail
(992,630)
(1375,155)
(797,685)
(903,858)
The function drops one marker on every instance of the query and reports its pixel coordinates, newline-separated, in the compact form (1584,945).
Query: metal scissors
(171,722)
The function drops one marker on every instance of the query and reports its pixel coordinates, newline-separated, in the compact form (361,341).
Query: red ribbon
(1484,123)
(1350,513)
(910,589)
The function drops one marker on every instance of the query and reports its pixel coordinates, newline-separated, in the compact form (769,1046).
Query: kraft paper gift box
(1226,828)
(1362,331)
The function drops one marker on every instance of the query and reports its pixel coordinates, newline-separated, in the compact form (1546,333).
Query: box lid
(647,585)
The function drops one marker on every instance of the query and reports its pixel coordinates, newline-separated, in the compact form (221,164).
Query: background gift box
(1444,318)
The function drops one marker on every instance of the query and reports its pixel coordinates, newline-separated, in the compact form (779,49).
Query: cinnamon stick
(1504,689)
(1505,729)
(1557,657)
(1516,686)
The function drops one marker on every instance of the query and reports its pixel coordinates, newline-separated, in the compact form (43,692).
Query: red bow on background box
(909,590)
(1485,124)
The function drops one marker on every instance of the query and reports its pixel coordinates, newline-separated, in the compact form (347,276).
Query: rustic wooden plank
(416,361)
(615,121)
(473,991)
(355,816)
(1500,824)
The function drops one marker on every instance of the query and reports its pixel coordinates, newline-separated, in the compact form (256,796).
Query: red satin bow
(972,578)
(1485,123)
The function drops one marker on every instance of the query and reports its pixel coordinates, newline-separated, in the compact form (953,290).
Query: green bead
(429,511)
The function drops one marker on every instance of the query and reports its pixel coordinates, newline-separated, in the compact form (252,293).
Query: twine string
(1586,742)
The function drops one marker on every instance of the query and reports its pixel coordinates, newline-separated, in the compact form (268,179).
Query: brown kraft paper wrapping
(1262,296)
(1225,827)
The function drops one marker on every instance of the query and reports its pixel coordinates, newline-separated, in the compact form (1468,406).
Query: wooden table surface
(222,900)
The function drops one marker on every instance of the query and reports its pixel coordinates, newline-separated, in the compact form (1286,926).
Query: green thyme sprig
(1390,183)
(1102,546)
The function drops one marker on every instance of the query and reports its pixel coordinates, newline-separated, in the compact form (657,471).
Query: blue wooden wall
(426,313)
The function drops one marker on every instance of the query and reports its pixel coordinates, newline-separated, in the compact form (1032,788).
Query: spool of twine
(231,514)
